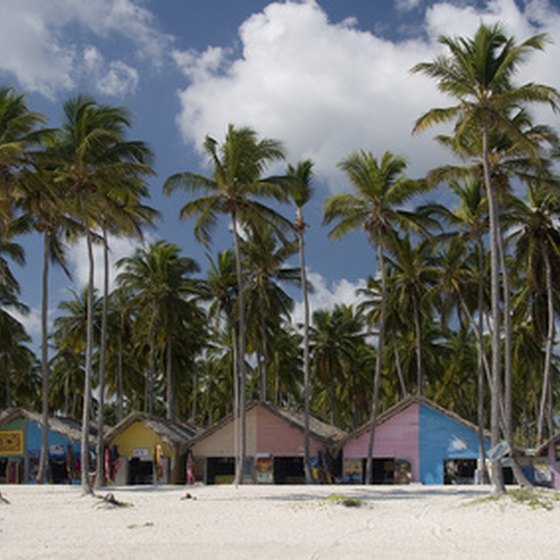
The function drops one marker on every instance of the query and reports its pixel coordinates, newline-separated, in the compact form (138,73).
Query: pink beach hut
(415,441)
(275,447)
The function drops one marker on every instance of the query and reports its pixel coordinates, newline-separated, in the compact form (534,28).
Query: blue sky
(326,77)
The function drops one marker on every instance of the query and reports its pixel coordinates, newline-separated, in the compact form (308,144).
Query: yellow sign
(11,443)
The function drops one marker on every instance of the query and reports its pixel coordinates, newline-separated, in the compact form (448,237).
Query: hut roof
(544,447)
(404,404)
(68,427)
(171,432)
(326,433)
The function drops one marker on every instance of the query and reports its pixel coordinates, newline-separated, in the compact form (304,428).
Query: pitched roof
(171,432)
(404,404)
(326,433)
(544,447)
(68,427)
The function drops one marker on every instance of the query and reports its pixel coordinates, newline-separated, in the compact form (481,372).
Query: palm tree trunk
(400,372)
(306,377)
(86,486)
(549,346)
(42,472)
(241,356)
(120,383)
(483,471)
(496,387)
(100,467)
(378,363)
(169,377)
(418,332)
(149,396)
(263,358)
(508,335)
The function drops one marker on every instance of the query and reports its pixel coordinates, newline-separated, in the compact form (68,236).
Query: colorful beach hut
(20,447)
(547,470)
(275,447)
(415,441)
(145,449)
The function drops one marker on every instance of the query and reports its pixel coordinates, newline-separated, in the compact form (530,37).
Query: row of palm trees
(457,290)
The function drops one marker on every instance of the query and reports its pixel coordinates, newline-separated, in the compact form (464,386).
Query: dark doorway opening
(383,470)
(459,471)
(58,471)
(140,472)
(288,470)
(220,470)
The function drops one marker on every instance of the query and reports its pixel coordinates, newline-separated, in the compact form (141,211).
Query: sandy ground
(273,522)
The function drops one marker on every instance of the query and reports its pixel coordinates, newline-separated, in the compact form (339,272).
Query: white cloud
(36,42)
(326,295)
(327,88)
(407,5)
(79,264)
(31,321)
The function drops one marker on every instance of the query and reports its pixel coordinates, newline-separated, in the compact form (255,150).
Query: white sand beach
(274,522)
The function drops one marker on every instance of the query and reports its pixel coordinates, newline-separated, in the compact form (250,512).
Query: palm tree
(93,158)
(381,187)
(538,248)
(335,337)
(413,280)
(233,189)
(301,190)
(478,73)
(267,304)
(157,279)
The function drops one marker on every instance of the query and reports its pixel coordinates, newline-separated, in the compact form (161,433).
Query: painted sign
(141,453)
(264,469)
(11,443)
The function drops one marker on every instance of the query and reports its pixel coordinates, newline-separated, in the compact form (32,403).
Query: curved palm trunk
(42,472)
(378,364)
(549,347)
(86,486)
(149,392)
(306,379)
(240,358)
(496,387)
(100,467)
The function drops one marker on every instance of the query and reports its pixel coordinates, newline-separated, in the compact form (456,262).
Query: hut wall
(278,438)
(554,463)
(139,436)
(395,438)
(441,437)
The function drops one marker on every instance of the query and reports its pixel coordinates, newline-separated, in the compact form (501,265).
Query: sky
(326,77)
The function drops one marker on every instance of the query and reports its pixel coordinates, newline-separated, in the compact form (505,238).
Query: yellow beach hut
(145,449)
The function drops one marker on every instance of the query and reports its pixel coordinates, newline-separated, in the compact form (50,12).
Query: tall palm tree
(538,248)
(267,304)
(157,279)
(234,189)
(300,180)
(94,158)
(413,281)
(478,73)
(382,189)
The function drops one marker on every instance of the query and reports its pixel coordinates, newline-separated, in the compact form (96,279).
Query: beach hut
(145,449)
(20,447)
(275,447)
(547,463)
(415,441)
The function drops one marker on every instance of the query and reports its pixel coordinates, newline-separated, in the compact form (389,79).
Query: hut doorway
(58,470)
(459,471)
(383,470)
(220,470)
(288,470)
(140,472)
